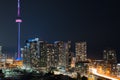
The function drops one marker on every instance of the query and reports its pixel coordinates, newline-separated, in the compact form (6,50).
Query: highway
(94,71)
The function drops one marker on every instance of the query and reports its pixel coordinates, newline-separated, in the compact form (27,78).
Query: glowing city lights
(94,71)
(18,20)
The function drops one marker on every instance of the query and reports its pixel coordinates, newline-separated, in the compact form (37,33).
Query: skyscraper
(81,57)
(19,21)
(62,49)
(81,51)
(2,59)
(31,53)
(51,61)
(109,55)
(110,58)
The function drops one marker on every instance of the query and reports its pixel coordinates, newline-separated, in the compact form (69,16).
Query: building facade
(81,51)
(62,49)
(42,46)
(30,53)
(110,58)
(2,59)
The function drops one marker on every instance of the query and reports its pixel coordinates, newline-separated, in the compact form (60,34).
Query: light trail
(94,71)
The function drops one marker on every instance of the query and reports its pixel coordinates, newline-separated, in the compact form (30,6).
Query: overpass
(94,72)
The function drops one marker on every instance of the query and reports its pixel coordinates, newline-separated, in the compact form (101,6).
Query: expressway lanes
(94,71)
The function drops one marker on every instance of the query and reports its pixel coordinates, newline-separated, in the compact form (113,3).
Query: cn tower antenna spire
(18,21)
(18,8)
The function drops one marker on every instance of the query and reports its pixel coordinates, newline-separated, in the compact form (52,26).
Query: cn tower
(18,21)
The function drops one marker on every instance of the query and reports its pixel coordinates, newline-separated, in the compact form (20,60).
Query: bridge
(94,72)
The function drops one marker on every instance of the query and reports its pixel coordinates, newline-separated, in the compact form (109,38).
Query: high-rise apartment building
(2,59)
(31,54)
(110,55)
(110,58)
(62,49)
(35,54)
(52,58)
(50,48)
(42,46)
(0,49)
(81,51)
(44,56)
(26,56)
(118,70)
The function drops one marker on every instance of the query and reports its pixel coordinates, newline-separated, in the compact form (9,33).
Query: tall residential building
(68,53)
(81,51)
(110,58)
(35,54)
(31,54)
(2,59)
(42,46)
(26,56)
(51,56)
(118,70)
(110,55)
(62,51)
(0,49)
(44,56)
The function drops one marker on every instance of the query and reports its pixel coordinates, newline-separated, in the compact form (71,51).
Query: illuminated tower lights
(19,21)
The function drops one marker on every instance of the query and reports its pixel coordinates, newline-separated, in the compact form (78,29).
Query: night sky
(95,21)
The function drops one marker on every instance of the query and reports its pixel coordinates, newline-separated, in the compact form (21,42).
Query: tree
(84,78)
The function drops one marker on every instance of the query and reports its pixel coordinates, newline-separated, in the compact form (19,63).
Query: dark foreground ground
(41,76)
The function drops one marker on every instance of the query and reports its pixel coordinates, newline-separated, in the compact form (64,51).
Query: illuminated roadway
(94,71)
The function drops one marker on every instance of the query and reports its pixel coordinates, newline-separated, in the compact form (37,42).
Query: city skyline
(96,22)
